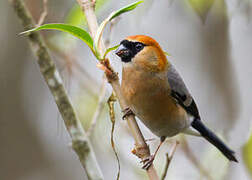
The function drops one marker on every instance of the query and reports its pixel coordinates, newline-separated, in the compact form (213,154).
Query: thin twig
(80,142)
(101,99)
(111,102)
(43,14)
(189,154)
(100,106)
(142,148)
(168,159)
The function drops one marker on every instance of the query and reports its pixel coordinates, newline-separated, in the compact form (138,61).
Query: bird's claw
(148,162)
(127,112)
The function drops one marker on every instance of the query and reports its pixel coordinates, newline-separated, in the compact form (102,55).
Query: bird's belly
(159,112)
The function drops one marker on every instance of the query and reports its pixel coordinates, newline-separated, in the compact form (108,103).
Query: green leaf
(114,14)
(75,31)
(110,49)
(201,7)
(247,154)
(98,36)
(125,9)
(75,17)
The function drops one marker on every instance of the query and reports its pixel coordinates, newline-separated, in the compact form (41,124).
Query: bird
(158,96)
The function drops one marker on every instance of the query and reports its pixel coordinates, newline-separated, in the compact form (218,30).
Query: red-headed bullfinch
(157,95)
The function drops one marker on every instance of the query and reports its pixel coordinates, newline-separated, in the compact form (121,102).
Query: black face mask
(127,50)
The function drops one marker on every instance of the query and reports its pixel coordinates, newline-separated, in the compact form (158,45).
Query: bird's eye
(139,46)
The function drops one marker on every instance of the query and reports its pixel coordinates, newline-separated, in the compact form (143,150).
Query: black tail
(213,139)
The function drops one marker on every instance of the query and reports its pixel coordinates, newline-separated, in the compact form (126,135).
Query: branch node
(87,5)
(81,146)
(140,151)
(110,73)
(169,157)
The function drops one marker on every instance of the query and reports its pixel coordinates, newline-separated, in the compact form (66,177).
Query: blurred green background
(210,43)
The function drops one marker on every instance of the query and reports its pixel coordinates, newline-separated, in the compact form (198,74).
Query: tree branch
(142,149)
(168,159)
(80,142)
(102,94)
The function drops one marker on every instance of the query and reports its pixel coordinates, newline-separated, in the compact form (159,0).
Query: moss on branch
(80,142)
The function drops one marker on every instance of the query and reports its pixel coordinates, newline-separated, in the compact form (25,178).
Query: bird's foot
(127,112)
(147,162)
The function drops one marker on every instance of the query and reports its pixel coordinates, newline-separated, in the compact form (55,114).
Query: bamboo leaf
(75,17)
(98,36)
(125,9)
(110,49)
(114,14)
(73,30)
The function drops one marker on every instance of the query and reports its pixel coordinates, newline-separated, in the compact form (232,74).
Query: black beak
(122,51)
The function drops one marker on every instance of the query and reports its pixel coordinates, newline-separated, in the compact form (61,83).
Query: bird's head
(142,52)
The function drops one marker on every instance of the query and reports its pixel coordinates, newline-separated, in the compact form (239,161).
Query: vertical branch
(49,72)
(101,99)
(142,149)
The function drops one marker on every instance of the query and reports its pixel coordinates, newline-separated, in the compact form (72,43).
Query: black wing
(180,93)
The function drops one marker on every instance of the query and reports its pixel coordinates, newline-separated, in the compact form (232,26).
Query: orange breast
(148,95)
